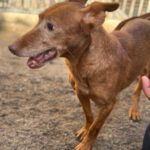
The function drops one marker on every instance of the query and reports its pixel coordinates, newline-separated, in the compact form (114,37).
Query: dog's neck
(98,44)
(100,40)
(75,54)
(102,47)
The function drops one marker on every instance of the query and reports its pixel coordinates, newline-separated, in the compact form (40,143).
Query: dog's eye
(49,26)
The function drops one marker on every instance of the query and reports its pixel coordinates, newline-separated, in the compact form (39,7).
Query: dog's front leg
(93,131)
(86,105)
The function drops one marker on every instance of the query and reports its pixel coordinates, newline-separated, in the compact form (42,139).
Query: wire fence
(127,9)
(134,7)
(27,6)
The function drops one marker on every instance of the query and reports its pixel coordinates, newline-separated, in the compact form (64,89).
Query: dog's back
(139,28)
(134,39)
(121,24)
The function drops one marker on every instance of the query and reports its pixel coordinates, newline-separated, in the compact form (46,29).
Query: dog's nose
(12,48)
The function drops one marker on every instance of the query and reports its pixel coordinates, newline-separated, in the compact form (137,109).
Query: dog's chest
(81,83)
(88,76)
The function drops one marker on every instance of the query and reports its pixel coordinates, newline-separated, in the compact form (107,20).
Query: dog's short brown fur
(100,64)
(120,25)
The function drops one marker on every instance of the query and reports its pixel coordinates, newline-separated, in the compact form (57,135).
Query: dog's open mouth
(39,60)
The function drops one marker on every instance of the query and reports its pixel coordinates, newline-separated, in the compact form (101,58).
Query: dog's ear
(80,1)
(95,12)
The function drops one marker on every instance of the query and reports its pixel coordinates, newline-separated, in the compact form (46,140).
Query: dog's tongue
(39,60)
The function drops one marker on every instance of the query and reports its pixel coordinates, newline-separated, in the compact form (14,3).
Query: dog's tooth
(50,52)
(46,56)
(34,63)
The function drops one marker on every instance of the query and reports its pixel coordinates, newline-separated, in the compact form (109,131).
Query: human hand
(146,86)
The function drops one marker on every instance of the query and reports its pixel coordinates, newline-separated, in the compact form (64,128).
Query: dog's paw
(81,133)
(134,114)
(83,146)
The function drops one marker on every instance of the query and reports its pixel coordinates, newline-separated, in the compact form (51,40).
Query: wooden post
(140,7)
(52,2)
(22,3)
(148,8)
(124,5)
(132,8)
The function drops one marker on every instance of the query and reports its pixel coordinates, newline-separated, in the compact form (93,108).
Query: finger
(146,85)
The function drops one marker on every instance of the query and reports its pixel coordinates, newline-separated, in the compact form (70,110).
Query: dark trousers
(146,141)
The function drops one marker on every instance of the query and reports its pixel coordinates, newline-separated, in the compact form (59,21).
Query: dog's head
(62,29)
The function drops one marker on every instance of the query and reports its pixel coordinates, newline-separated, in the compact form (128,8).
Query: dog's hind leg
(134,113)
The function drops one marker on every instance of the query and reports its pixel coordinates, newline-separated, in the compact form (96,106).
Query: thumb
(146,86)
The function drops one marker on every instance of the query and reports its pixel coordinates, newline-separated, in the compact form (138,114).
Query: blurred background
(38,108)
(128,8)
(11,10)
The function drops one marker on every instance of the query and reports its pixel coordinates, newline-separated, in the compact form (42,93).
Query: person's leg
(146,141)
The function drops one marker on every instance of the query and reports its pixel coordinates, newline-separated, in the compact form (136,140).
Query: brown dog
(100,64)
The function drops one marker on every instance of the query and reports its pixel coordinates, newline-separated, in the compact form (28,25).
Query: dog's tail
(120,25)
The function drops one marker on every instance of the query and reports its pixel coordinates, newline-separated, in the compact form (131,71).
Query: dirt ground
(39,111)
